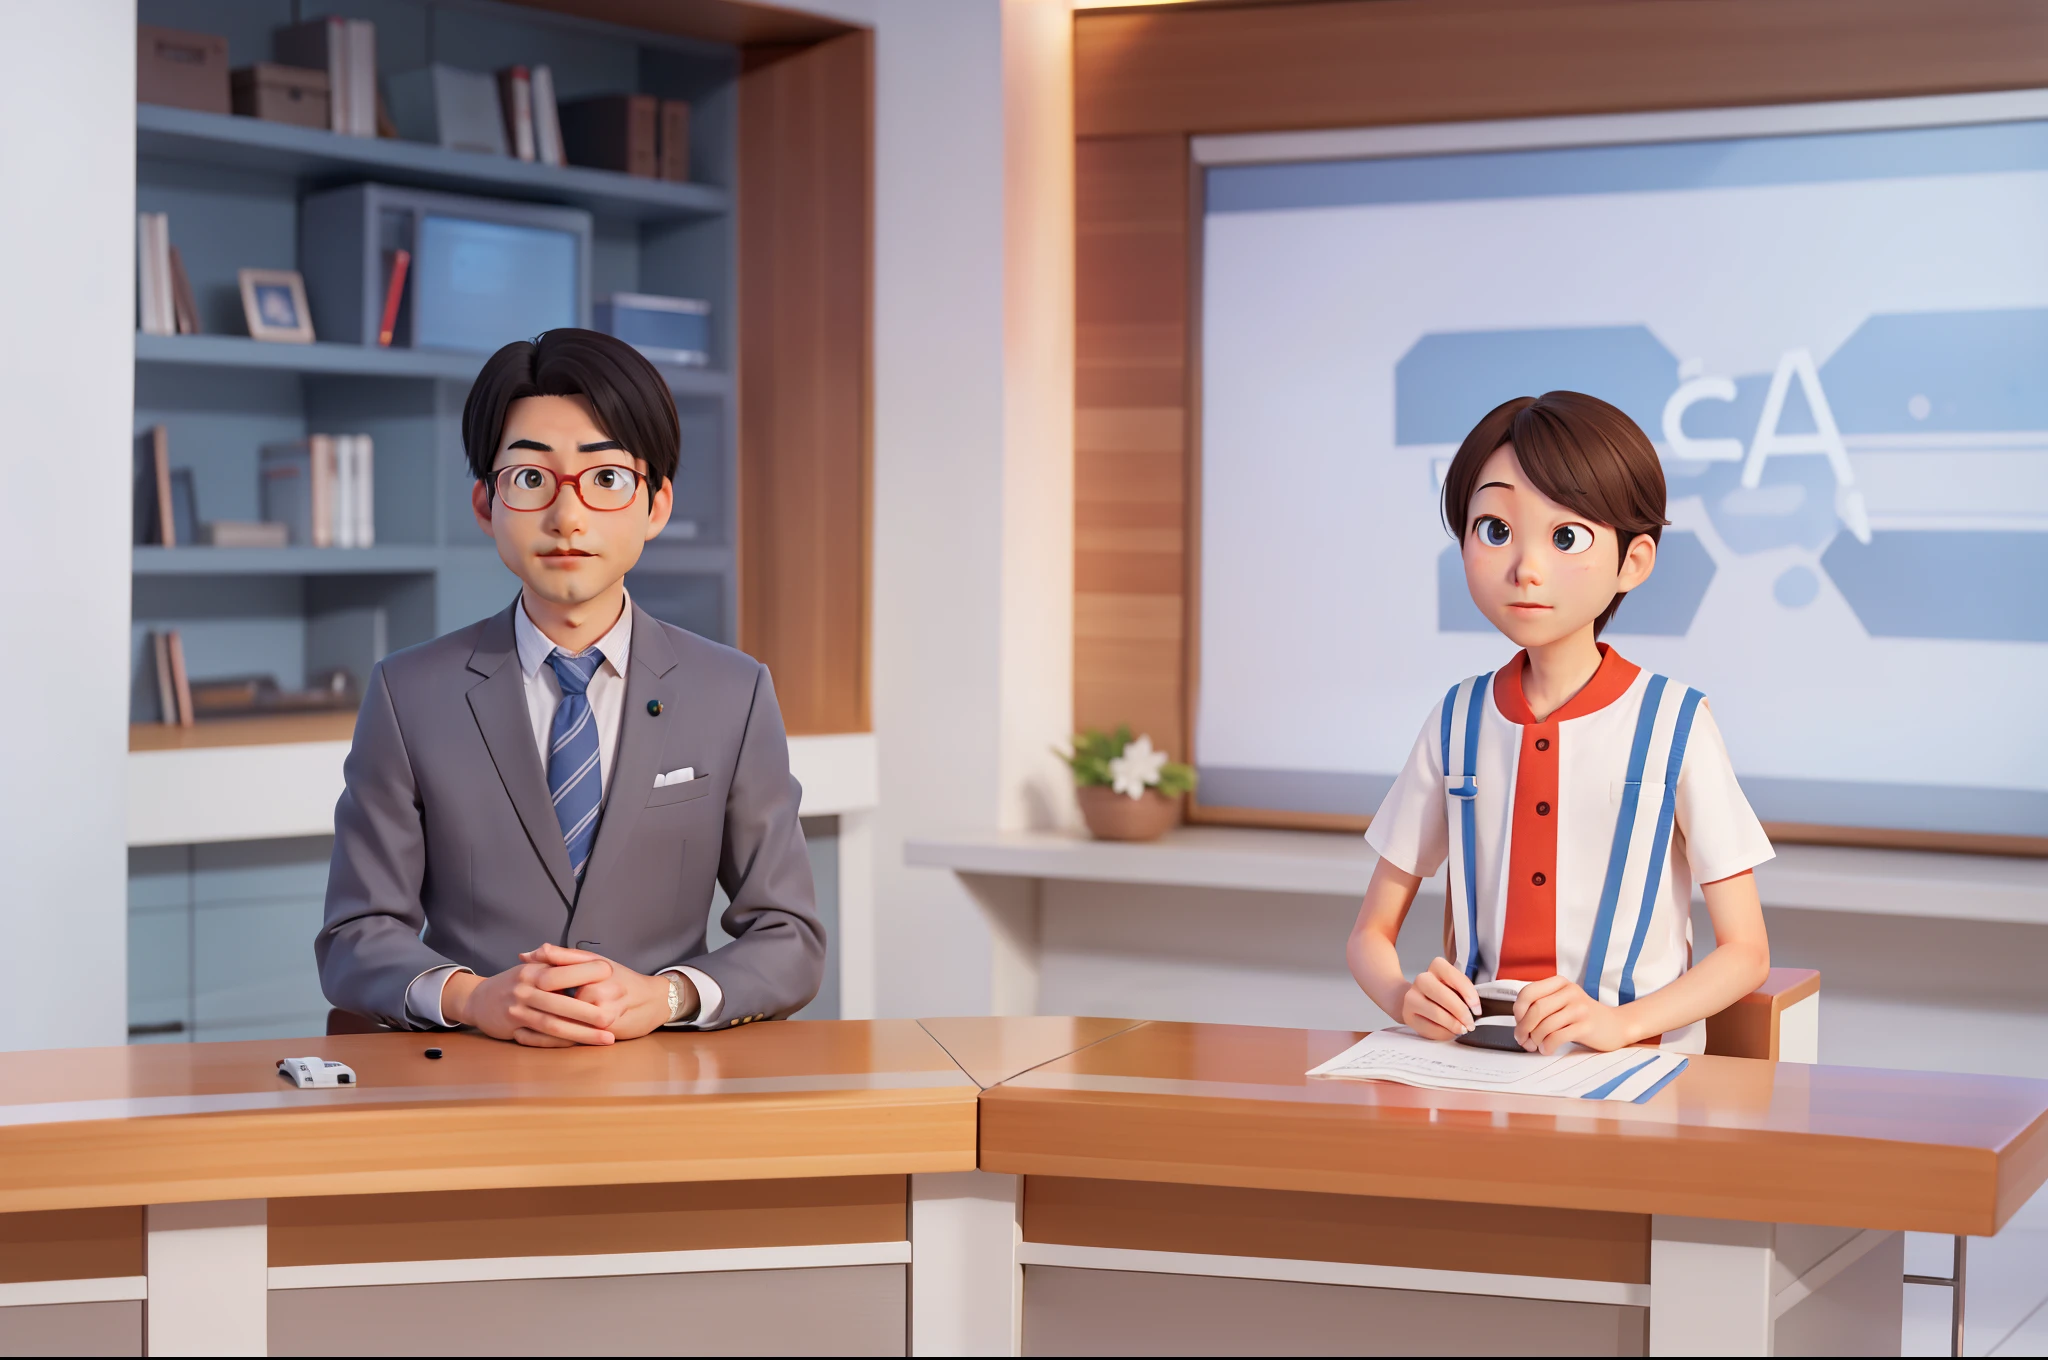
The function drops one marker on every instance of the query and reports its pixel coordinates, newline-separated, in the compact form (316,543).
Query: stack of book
(636,134)
(249,696)
(167,304)
(167,505)
(533,123)
(182,701)
(173,688)
(321,489)
(514,113)
(347,50)
(510,114)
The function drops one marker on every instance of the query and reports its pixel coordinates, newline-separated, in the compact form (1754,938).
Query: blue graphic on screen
(1768,456)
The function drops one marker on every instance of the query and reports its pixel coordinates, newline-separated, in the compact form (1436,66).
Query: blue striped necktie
(575,778)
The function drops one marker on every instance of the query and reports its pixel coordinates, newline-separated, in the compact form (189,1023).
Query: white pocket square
(682,776)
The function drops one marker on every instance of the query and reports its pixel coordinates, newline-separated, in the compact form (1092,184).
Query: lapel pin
(654,708)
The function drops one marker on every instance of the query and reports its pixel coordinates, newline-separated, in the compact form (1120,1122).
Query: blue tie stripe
(565,738)
(569,783)
(573,756)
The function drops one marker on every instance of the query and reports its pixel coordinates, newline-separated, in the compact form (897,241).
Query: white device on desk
(304,1072)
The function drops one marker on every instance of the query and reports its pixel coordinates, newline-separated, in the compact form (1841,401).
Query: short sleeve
(1411,830)
(1722,835)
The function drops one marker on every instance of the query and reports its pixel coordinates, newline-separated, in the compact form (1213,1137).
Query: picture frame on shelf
(274,305)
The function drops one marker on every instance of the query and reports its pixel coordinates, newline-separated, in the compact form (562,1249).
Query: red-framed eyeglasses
(530,487)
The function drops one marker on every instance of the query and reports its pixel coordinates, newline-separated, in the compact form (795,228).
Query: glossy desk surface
(1729,1138)
(164,1123)
(1117,1099)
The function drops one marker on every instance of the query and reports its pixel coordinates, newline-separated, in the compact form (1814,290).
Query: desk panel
(1730,1138)
(844,1310)
(449,1225)
(71,1244)
(1115,1312)
(72,1329)
(1499,1239)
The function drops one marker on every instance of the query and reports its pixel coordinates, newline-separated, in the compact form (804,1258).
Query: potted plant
(1128,790)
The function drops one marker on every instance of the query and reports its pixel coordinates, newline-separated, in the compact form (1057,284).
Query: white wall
(973,458)
(1037,646)
(67,377)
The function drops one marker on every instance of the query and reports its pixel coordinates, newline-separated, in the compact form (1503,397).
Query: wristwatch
(675,999)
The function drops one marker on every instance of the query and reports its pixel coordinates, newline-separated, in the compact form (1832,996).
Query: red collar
(1609,683)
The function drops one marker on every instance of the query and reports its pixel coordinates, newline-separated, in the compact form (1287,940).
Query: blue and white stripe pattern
(1637,853)
(1642,839)
(575,776)
(1463,711)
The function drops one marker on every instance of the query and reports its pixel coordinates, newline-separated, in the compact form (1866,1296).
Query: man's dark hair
(1580,452)
(628,395)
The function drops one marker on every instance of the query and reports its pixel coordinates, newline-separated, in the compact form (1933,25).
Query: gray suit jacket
(446,847)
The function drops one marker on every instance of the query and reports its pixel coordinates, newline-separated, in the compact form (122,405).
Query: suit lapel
(644,739)
(499,703)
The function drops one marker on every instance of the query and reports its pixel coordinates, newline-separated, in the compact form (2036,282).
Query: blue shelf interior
(232,186)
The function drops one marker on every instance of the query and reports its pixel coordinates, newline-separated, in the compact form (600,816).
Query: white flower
(1136,769)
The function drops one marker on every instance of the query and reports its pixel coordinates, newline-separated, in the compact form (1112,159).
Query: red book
(400,261)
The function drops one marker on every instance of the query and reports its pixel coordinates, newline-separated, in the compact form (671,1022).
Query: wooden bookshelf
(313,153)
(232,188)
(385,559)
(269,730)
(367,361)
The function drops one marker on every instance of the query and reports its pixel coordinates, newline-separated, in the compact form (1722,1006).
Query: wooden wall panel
(1130,435)
(806,302)
(1352,63)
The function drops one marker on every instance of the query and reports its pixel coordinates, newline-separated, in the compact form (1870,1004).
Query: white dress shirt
(607,695)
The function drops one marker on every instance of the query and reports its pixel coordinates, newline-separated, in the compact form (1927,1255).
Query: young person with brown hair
(1576,797)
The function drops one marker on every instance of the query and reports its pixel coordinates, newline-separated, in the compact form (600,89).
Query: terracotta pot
(1113,817)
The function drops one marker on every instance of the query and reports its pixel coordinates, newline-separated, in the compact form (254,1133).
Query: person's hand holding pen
(1441,1003)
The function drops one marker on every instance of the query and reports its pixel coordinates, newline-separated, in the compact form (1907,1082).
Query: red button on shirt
(1528,949)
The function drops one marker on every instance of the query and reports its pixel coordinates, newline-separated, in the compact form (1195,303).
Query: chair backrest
(348,1022)
(1750,1028)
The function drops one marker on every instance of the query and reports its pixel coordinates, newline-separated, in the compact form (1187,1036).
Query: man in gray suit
(537,805)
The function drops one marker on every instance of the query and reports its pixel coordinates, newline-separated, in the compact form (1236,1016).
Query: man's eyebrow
(600,446)
(530,444)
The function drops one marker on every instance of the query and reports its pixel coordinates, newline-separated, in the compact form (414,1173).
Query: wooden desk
(1047,1183)
(168,1123)
(1193,1177)
(755,1186)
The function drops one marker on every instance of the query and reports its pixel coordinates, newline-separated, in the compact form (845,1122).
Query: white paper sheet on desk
(1401,1055)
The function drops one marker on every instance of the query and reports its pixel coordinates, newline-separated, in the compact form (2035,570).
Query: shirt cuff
(710,998)
(423,995)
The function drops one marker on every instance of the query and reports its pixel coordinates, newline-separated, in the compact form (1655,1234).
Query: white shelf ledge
(244,793)
(1809,877)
